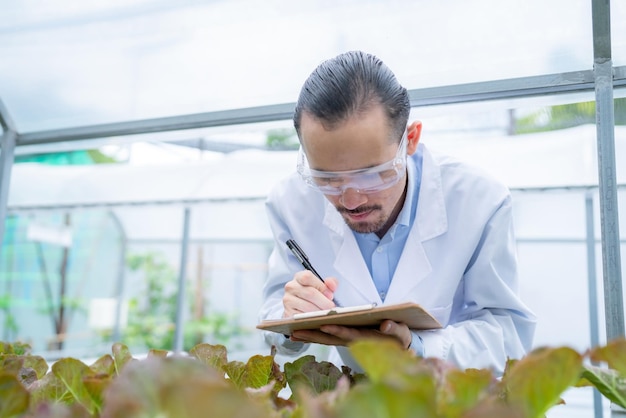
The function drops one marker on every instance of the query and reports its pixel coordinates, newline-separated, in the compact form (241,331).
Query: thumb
(388,327)
(399,331)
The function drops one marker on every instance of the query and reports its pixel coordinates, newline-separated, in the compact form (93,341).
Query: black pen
(304,260)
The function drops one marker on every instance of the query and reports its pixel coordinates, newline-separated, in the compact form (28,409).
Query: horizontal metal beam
(16,209)
(578,81)
(171,123)
(19,209)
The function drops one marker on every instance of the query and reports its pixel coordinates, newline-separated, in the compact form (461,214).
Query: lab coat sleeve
(492,324)
(278,275)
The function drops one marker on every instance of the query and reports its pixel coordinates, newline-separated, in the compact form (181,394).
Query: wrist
(417,345)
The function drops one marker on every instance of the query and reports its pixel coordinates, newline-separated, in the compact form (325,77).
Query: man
(384,220)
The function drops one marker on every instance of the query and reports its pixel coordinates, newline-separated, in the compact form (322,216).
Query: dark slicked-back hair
(349,84)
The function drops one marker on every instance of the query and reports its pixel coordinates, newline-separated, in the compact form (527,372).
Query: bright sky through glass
(72,63)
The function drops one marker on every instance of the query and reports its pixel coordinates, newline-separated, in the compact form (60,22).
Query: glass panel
(75,63)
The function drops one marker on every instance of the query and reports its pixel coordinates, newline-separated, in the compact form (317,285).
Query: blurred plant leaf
(462,390)
(613,353)
(380,400)
(535,383)
(178,387)
(608,382)
(385,360)
(212,355)
(121,356)
(104,365)
(14,398)
(157,353)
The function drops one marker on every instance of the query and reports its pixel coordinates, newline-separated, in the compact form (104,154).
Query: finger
(331,284)
(293,304)
(398,330)
(307,278)
(317,337)
(307,286)
(299,296)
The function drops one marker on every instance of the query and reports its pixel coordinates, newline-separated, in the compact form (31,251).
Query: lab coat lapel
(349,263)
(430,222)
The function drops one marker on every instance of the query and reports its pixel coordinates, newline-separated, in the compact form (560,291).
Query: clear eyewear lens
(368,180)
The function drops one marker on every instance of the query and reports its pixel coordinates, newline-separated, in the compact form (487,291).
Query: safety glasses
(366,180)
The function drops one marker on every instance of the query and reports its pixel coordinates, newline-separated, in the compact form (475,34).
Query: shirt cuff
(417,345)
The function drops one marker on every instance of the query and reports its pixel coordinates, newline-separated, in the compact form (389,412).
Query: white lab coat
(459,263)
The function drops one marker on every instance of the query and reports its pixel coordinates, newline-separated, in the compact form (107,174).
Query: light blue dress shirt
(383,254)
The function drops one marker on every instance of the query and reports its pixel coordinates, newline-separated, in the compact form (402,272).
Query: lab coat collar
(431,218)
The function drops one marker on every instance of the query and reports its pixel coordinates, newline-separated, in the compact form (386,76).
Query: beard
(368,227)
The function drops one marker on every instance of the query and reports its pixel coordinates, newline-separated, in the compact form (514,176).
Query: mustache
(359,209)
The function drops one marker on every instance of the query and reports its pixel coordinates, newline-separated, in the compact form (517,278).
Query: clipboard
(369,316)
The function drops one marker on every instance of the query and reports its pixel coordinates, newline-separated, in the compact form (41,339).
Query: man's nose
(352,199)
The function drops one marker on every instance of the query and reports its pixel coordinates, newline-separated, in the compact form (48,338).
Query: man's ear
(413,132)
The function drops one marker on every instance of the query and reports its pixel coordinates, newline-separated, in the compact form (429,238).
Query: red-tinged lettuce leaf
(492,408)
(321,405)
(256,373)
(158,353)
(307,374)
(236,371)
(121,356)
(380,400)
(14,398)
(96,386)
(73,373)
(60,410)
(178,387)
(38,364)
(11,364)
(104,365)
(384,360)
(48,389)
(463,390)
(215,356)
(609,383)
(614,354)
(535,383)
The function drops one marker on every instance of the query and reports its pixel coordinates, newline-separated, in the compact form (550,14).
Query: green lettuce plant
(204,383)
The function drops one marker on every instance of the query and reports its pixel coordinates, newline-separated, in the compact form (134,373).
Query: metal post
(593,292)
(605,126)
(121,279)
(180,302)
(7,142)
(6,164)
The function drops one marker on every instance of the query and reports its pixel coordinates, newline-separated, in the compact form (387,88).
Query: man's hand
(340,335)
(307,293)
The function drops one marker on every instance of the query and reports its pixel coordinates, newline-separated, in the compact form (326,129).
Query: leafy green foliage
(534,384)
(152,316)
(395,384)
(14,398)
(282,139)
(566,116)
